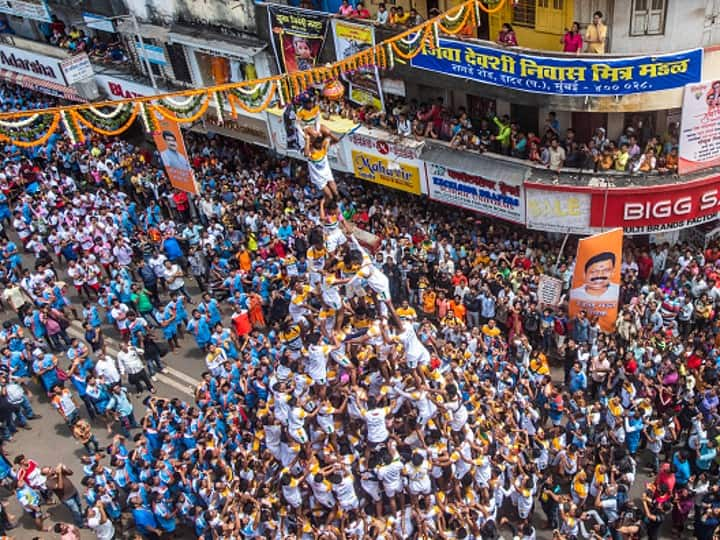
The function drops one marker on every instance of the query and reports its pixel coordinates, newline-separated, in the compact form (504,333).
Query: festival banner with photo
(700,127)
(171,145)
(596,280)
(364,87)
(297,37)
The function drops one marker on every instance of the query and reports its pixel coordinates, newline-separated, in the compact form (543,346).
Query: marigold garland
(108,133)
(184,119)
(282,89)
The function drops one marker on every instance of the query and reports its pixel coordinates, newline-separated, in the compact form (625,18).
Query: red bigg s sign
(657,208)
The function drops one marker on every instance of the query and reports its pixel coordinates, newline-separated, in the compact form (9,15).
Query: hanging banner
(171,145)
(549,291)
(557,211)
(643,210)
(381,158)
(476,193)
(364,86)
(562,75)
(37,10)
(596,280)
(282,127)
(700,127)
(298,36)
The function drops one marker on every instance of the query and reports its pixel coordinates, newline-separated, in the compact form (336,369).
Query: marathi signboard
(562,75)
(498,199)
(700,127)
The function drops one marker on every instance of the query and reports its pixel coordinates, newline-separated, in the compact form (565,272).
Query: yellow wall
(529,37)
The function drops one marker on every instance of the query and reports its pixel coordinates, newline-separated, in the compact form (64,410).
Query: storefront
(69,77)
(218,59)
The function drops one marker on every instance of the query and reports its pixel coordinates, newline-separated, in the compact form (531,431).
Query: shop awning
(47,87)
(215,43)
(493,168)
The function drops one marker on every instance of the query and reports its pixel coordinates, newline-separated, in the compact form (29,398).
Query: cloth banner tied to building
(298,37)
(364,86)
(171,145)
(499,199)
(562,75)
(700,127)
(596,280)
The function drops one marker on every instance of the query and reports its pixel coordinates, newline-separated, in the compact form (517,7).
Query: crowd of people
(636,150)
(376,365)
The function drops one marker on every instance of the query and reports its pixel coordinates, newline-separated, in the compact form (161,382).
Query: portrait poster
(171,145)
(364,86)
(297,37)
(596,280)
(700,127)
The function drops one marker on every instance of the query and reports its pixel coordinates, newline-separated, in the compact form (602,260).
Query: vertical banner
(596,280)
(364,83)
(171,145)
(700,127)
(549,291)
(298,37)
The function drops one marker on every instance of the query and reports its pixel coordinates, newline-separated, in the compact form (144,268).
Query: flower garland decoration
(108,116)
(218,104)
(20,123)
(73,132)
(203,103)
(110,129)
(50,128)
(186,107)
(107,123)
(32,128)
(148,118)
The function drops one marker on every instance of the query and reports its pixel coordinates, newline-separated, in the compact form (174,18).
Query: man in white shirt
(106,368)
(173,275)
(130,362)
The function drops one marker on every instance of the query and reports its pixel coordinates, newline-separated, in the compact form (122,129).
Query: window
(549,16)
(648,17)
(524,13)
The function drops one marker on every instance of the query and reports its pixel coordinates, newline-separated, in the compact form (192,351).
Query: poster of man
(170,156)
(171,145)
(596,280)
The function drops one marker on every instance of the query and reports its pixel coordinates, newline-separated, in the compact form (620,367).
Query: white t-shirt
(103,531)
(174,282)
(375,420)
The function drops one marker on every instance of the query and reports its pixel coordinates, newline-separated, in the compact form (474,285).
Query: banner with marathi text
(171,145)
(700,127)
(562,75)
(596,280)
(298,37)
(364,84)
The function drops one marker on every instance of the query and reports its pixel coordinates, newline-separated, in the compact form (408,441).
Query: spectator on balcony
(572,41)
(502,139)
(432,119)
(552,123)
(400,17)
(519,145)
(569,139)
(622,159)
(507,36)
(669,162)
(606,160)
(601,140)
(346,10)
(381,17)
(557,155)
(361,12)
(534,153)
(596,34)
(415,18)
(633,147)
(647,162)
(404,126)
(466,140)
(56,25)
